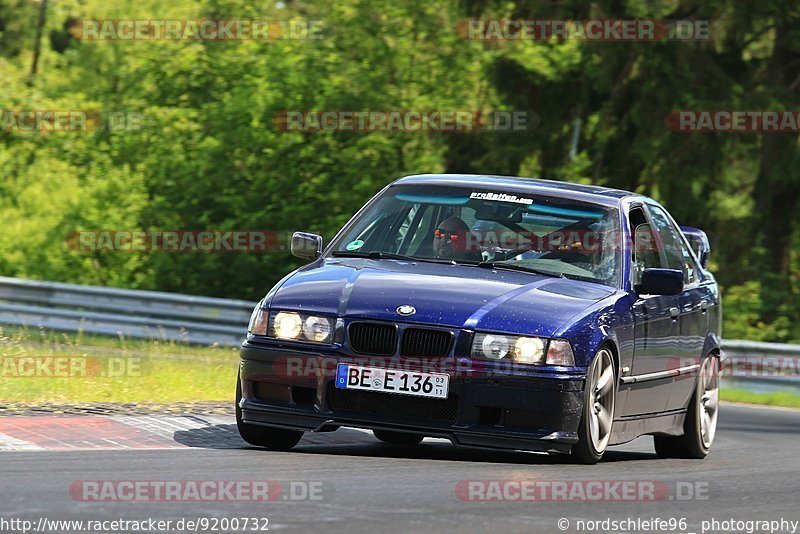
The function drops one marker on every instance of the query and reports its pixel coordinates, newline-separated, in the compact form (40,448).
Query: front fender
(610,321)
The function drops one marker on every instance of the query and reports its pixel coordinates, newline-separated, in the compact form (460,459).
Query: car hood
(459,296)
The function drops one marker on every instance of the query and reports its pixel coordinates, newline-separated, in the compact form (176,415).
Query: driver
(450,240)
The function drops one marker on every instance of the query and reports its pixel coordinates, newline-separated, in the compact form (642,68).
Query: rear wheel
(274,439)
(700,424)
(600,393)
(397,438)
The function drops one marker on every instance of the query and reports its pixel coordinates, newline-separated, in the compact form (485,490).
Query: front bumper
(290,388)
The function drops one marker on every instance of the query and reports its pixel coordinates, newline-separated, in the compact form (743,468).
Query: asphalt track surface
(362,485)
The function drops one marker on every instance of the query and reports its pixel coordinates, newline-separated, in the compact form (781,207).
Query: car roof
(587,193)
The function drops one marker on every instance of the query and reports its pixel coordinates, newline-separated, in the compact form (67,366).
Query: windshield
(491,228)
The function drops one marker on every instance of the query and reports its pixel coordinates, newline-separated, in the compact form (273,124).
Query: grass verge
(786,399)
(39,367)
(45,367)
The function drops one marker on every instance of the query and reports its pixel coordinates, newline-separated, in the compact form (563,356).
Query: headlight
(520,349)
(259,320)
(286,325)
(494,347)
(317,328)
(529,350)
(523,349)
(300,327)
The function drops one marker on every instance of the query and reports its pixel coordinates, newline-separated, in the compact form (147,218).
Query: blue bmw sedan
(495,312)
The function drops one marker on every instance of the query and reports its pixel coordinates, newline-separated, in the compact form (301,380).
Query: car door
(693,305)
(656,328)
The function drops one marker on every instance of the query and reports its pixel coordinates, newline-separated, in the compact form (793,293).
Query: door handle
(704,306)
(674,313)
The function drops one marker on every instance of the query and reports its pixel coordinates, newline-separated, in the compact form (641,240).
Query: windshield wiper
(520,268)
(377,255)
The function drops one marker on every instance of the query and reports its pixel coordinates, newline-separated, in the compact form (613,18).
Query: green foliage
(744,307)
(16,28)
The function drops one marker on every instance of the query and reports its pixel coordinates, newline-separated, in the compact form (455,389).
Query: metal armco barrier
(757,364)
(123,312)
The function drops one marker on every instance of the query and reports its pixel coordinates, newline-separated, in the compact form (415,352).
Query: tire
(397,438)
(274,439)
(600,393)
(700,424)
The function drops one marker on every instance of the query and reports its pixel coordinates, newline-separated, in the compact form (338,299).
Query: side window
(645,245)
(691,271)
(677,252)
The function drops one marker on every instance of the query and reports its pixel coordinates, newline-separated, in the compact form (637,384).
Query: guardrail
(206,320)
(123,312)
(759,366)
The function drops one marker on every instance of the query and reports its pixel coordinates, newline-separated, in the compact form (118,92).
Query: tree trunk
(778,184)
(37,45)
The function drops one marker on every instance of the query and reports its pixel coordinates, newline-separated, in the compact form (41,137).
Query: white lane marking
(163,426)
(166,426)
(8,443)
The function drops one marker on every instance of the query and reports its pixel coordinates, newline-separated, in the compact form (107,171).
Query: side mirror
(698,240)
(660,282)
(306,246)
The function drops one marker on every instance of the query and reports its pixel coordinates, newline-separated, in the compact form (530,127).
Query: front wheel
(600,393)
(274,439)
(700,424)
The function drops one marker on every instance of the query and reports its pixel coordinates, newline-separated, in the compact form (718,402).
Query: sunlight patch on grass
(46,367)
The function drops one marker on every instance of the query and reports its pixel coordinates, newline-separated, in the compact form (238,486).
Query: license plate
(433,385)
